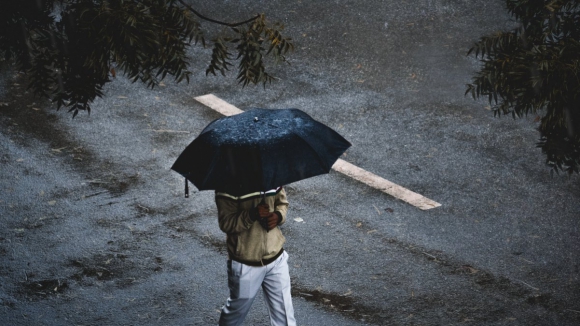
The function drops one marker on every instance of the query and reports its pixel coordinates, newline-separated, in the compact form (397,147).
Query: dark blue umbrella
(259,150)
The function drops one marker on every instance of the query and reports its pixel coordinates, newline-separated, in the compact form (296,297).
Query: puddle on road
(43,288)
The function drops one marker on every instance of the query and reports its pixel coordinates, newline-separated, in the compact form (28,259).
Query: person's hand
(263,210)
(270,222)
(260,211)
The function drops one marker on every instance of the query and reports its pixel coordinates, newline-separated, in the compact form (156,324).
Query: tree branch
(216,21)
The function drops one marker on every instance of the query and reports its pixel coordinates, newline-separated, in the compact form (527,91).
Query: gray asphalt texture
(94,229)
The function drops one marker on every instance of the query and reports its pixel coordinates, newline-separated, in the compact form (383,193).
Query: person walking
(256,257)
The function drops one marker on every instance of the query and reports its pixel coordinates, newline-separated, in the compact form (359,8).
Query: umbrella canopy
(259,150)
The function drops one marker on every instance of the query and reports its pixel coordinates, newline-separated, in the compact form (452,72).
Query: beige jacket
(247,240)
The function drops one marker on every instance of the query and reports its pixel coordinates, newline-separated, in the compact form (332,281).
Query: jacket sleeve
(281,205)
(230,219)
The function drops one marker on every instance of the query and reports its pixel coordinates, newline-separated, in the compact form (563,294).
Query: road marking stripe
(341,166)
(384,185)
(218,104)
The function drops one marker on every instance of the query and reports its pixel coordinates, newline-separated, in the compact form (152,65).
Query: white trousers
(244,282)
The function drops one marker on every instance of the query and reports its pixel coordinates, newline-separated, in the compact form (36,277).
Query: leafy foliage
(534,69)
(71,48)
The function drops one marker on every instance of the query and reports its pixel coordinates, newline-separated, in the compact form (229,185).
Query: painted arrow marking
(341,166)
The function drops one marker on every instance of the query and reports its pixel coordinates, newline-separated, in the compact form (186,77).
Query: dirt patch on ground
(342,304)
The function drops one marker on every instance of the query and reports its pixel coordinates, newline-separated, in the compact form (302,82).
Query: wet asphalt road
(95,229)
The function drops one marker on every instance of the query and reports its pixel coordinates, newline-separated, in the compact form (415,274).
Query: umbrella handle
(263,201)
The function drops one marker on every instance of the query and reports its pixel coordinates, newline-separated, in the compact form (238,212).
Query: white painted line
(341,166)
(384,185)
(218,104)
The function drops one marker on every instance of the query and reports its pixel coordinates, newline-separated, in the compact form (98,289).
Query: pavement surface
(94,229)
